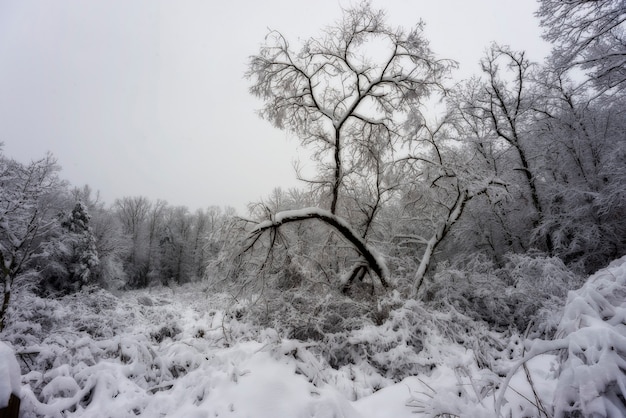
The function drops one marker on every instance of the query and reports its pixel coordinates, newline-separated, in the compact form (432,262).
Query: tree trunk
(12,410)
(442,230)
(337,179)
(5,303)
(7,282)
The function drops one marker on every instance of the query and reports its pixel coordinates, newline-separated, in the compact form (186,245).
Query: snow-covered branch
(374,261)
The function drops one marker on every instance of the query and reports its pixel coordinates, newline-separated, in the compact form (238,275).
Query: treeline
(56,238)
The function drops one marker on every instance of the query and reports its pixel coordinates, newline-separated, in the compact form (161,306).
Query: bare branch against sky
(148,97)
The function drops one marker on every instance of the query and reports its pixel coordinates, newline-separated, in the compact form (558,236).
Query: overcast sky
(147,97)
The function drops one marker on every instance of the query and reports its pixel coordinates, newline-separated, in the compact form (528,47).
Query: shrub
(524,293)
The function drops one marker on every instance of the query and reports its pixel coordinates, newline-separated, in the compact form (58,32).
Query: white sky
(147,97)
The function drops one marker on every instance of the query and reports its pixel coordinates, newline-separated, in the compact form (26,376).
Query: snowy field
(181,352)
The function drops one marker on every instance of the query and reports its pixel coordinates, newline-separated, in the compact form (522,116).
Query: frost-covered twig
(538,403)
(539,347)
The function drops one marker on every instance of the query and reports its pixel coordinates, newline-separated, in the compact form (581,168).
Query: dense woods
(493,208)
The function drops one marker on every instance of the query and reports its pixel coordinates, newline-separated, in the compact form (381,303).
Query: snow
(99,355)
(10,380)
(228,372)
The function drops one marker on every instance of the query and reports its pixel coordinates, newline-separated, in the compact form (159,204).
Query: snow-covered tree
(500,106)
(342,99)
(85,252)
(132,213)
(28,193)
(348,95)
(176,245)
(584,170)
(590,35)
(156,216)
(112,245)
(442,174)
(71,257)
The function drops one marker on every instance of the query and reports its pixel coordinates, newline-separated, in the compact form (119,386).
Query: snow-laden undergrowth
(183,352)
(591,341)
(593,365)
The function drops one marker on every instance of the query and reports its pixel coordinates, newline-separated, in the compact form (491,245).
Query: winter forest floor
(182,352)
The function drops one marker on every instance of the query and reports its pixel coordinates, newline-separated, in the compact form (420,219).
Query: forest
(459,249)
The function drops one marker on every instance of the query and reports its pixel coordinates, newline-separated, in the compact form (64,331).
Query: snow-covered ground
(176,352)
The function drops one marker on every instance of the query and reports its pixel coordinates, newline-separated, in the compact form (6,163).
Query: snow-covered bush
(306,312)
(410,342)
(524,292)
(363,347)
(591,342)
(592,379)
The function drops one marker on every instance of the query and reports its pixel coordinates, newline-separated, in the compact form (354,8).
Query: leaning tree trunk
(373,260)
(440,232)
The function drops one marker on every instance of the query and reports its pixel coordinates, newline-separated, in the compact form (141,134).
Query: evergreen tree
(85,260)
(72,257)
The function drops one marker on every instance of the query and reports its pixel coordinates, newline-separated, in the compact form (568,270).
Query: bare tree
(445,174)
(155,223)
(177,244)
(489,228)
(347,94)
(339,98)
(589,34)
(504,100)
(26,196)
(133,213)
(368,192)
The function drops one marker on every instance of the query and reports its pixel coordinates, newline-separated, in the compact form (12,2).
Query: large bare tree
(346,90)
